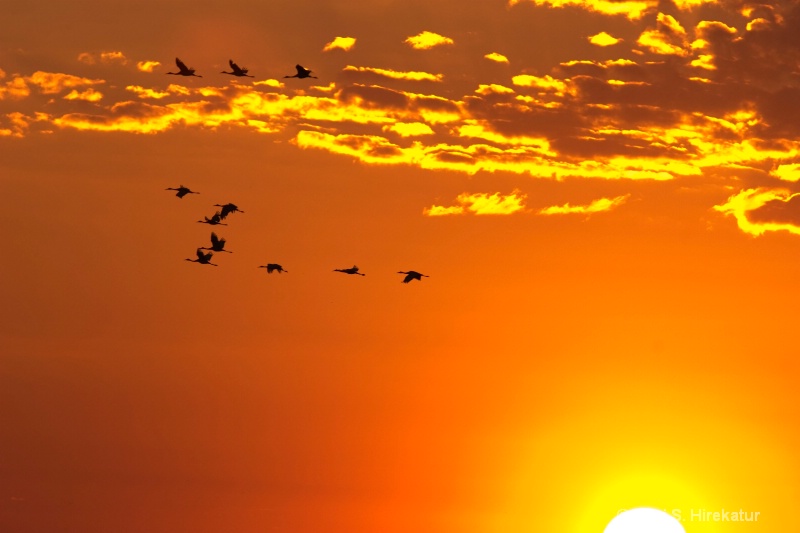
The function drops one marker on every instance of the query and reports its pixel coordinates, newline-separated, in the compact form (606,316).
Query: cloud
(440,210)
(632,9)
(18,125)
(596,206)
(88,95)
(89,58)
(603,39)
(668,38)
(787,172)
(113,57)
(54,82)
(342,43)
(396,75)
(481,204)
(544,83)
(147,66)
(427,40)
(497,58)
(143,92)
(16,88)
(760,210)
(409,129)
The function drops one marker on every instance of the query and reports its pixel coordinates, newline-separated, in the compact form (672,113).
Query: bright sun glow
(644,519)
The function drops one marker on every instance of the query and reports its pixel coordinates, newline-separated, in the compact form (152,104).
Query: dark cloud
(777,212)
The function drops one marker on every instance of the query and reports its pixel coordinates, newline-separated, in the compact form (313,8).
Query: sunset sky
(604,195)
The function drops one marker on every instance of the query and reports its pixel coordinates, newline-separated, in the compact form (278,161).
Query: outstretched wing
(233,65)
(214,239)
(181,64)
(301,70)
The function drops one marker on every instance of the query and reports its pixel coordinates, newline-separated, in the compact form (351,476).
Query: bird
(237,70)
(182,191)
(227,209)
(217,244)
(273,267)
(301,73)
(203,258)
(351,270)
(183,70)
(215,220)
(412,275)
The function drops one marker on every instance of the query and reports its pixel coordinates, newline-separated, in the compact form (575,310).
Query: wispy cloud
(91,58)
(481,204)
(409,129)
(596,206)
(763,209)
(88,95)
(427,40)
(632,9)
(395,74)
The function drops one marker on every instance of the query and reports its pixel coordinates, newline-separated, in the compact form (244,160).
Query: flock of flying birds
(218,244)
(236,70)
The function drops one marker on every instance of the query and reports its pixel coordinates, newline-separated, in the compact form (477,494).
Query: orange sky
(603,193)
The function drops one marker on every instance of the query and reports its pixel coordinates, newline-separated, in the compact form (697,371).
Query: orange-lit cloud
(88,95)
(427,40)
(596,206)
(18,125)
(270,83)
(497,58)
(113,57)
(481,204)
(409,129)
(104,57)
(669,37)
(544,83)
(15,88)
(633,9)
(396,75)
(603,39)
(54,82)
(342,43)
(147,66)
(690,4)
(143,92)
(787,172)
(760,210)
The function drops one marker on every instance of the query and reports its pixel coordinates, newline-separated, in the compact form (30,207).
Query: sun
(644,519)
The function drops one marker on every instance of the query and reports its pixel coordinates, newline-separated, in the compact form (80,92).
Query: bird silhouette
(301,73)
(412,275)
(237,70)
(183,70)
(351,270)
(227,209)
(214,221)
(203,258)
(182,191)
(273,267)
(217,244)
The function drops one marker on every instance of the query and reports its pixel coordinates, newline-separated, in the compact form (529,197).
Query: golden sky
(604,195)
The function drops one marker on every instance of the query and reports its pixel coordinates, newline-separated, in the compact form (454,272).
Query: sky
(604,197)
